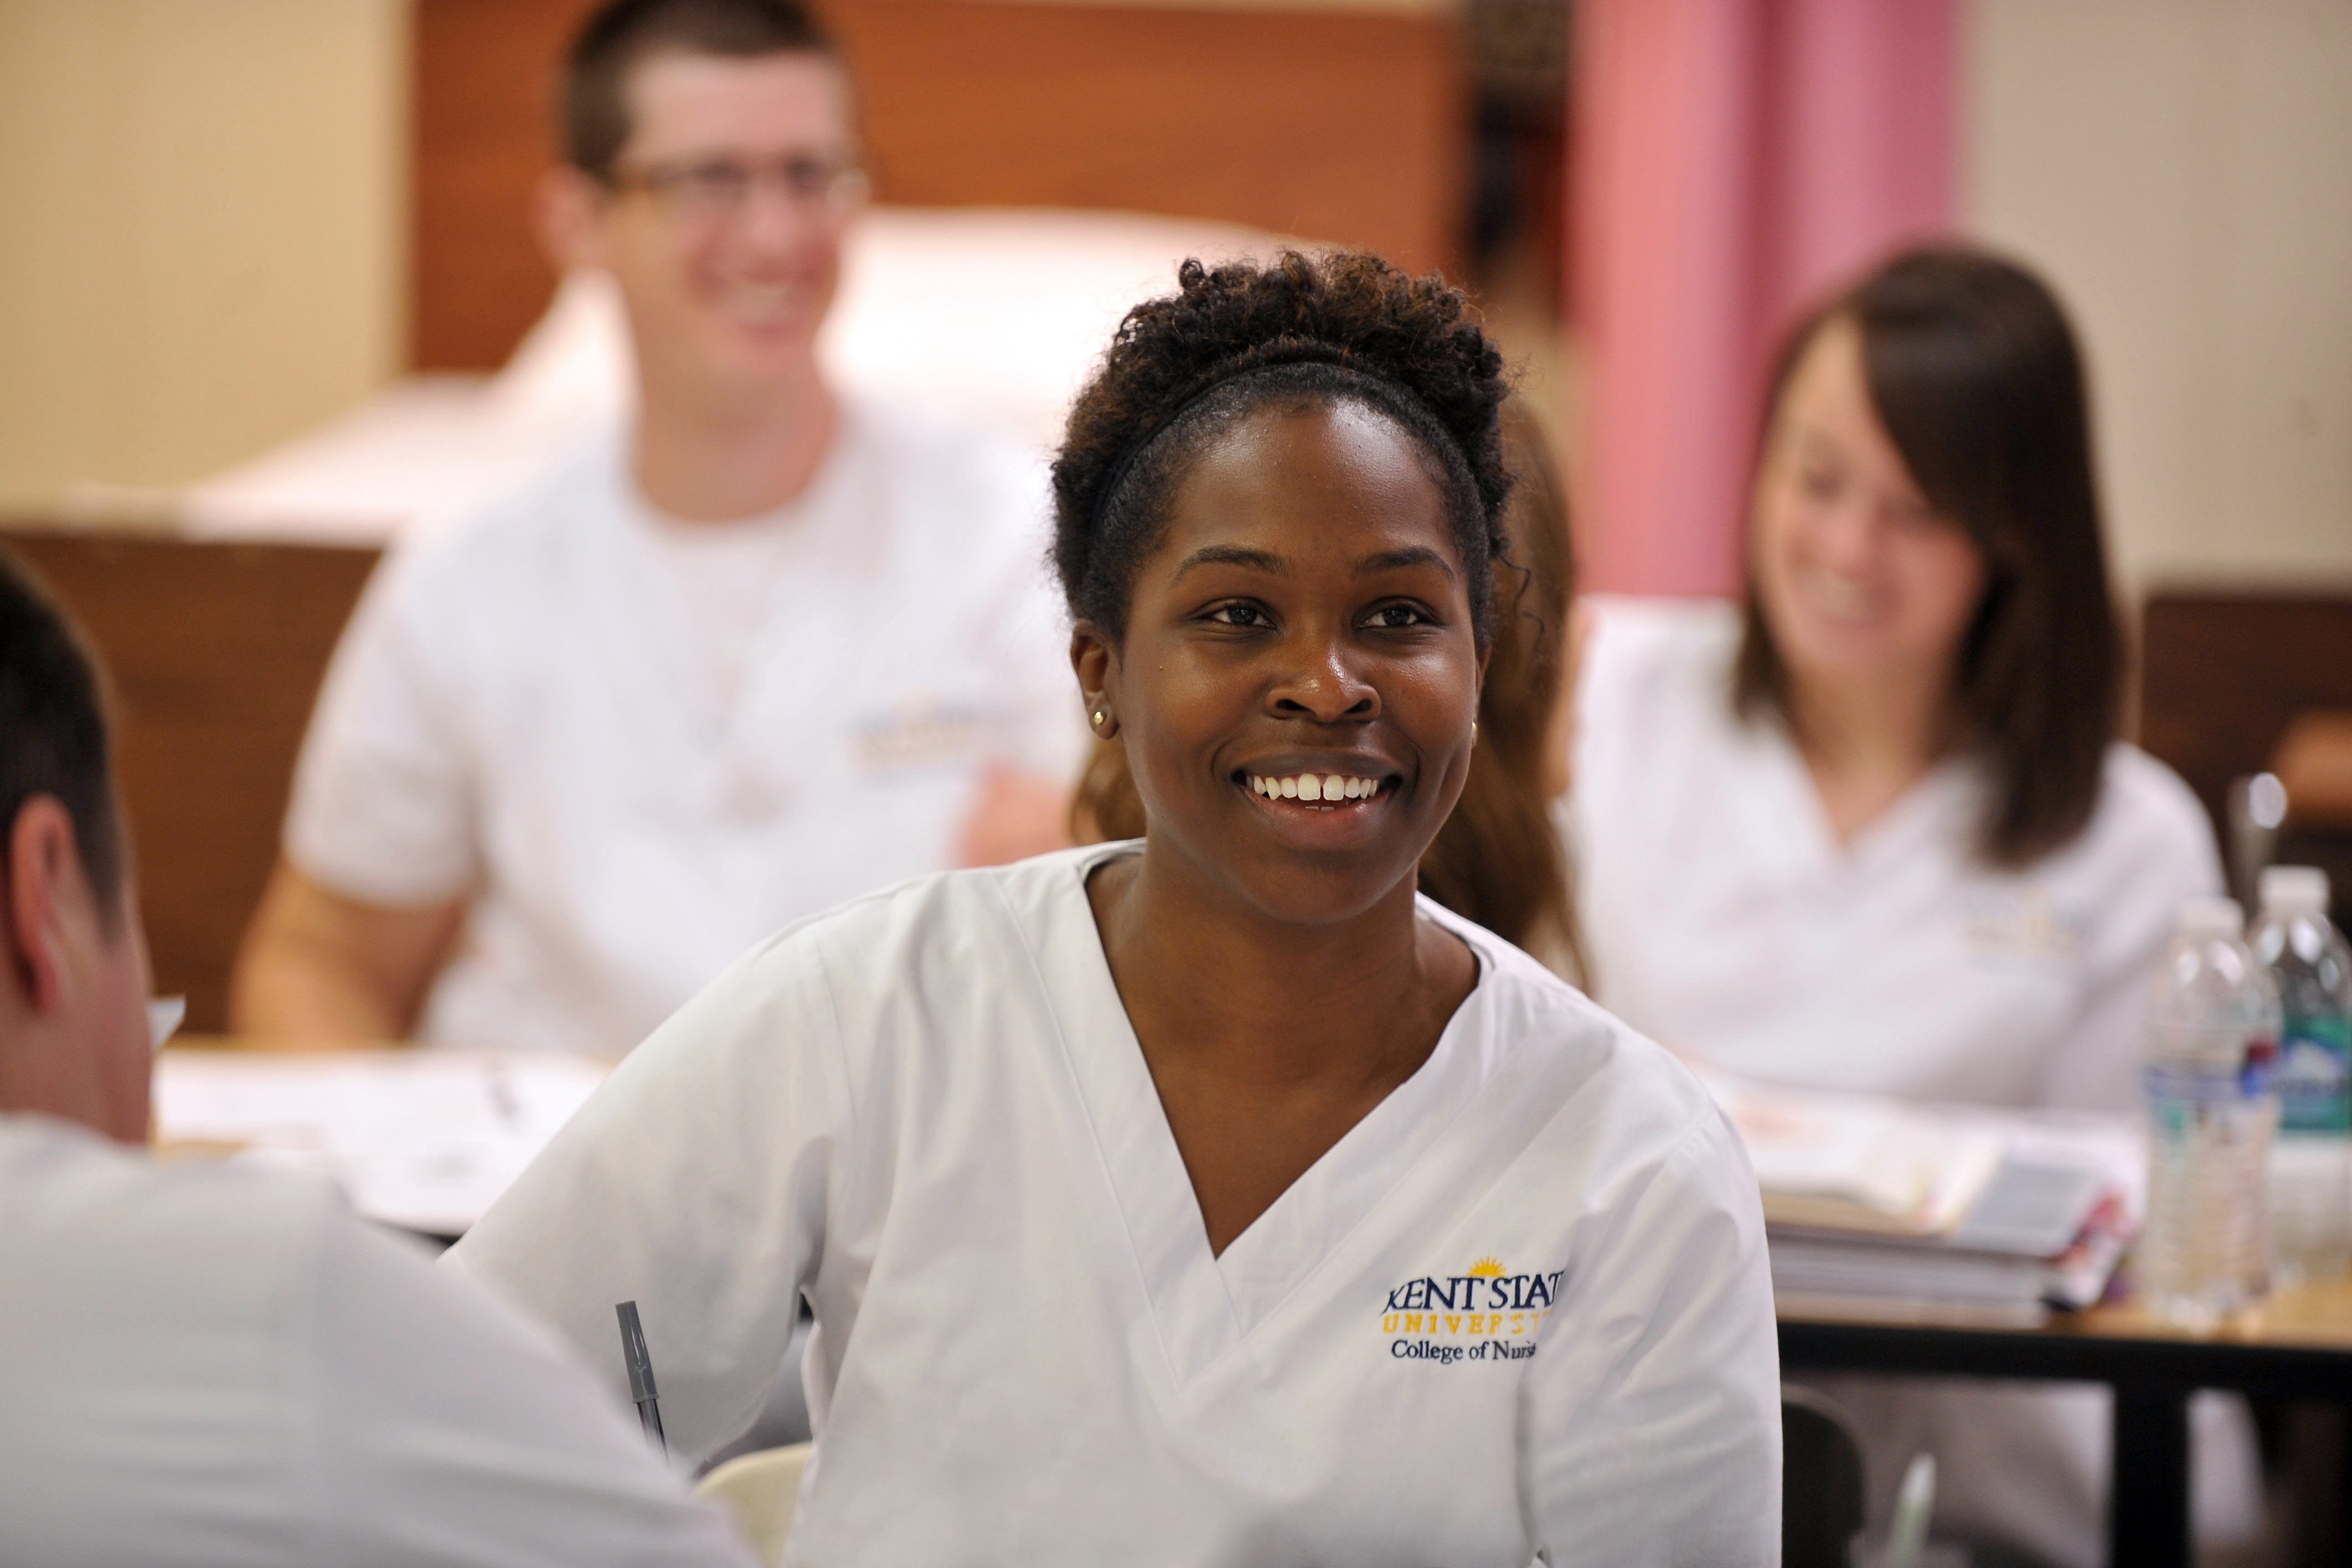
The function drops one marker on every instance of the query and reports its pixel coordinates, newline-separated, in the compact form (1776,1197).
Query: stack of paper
(425,1139)
(1921,1214)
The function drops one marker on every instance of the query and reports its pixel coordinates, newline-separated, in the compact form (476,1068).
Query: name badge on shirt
(1484,1313)
(921,731)
(2024,927)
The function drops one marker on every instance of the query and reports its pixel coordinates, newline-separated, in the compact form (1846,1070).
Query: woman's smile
(1322,804)
(1321,791)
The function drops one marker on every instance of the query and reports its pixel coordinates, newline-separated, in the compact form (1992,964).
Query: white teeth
(1314,786)
(1839,596)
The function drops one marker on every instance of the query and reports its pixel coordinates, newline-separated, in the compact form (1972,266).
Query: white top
(210,1366)
(1521,1307)
(538,704)
(1722,915)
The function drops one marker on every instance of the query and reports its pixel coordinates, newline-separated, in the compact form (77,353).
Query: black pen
(641,1375)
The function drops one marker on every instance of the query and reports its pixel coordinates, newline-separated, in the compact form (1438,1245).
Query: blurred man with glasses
(762,650)
(209,1365)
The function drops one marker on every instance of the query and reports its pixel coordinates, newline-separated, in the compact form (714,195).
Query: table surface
(2300,1318)
(2309,1317)
(2299,1345)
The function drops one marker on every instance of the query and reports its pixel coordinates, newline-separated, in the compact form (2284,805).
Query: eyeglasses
(710,190)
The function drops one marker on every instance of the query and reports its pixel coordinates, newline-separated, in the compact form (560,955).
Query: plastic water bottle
(2212,1033)
(2311,1162)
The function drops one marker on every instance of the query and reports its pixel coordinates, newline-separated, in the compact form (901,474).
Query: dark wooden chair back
(2223,674)
(214,653)
(1821,1483)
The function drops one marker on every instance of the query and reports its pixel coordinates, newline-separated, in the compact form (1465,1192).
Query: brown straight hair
(1974,371)
(1499,861)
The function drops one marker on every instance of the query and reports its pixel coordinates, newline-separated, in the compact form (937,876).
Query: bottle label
(2311,1077)
(2179,1095)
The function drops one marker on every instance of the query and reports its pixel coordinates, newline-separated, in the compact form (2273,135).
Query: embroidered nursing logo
(920,730)
(1484,1313)
(2026,927)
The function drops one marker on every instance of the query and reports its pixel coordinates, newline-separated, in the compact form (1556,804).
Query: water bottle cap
(2294,889)
(2212,917)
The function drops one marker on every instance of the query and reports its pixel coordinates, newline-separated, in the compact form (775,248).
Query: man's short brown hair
(594,108)
(53,729)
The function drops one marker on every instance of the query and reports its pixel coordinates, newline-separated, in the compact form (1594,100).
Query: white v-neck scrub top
(1722,916)
(1519,1312)
(563,710)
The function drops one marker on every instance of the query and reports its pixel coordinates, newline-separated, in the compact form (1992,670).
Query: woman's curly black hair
(1299,330)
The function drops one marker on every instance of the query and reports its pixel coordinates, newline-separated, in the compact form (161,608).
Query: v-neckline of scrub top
(1205,1303)
(1813,849)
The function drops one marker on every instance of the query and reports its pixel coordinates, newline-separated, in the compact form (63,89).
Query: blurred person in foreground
(764,649)
(1873,829)
(205,1365)
(1497,860)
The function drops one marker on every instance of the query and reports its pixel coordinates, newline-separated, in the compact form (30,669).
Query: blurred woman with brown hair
(1499,861)
(1875,828)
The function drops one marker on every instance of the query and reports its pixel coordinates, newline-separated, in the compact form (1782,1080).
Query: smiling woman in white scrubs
(1874,829)
(1210,1198)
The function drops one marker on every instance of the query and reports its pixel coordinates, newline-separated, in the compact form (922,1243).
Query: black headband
(1267,360)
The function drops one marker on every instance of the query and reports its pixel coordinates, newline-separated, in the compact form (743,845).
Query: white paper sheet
(425,1139)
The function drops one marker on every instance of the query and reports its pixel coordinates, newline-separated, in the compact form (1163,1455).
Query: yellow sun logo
(1487,1268)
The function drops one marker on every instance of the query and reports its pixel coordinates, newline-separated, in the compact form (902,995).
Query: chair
(1821,1482)
(216,651)
(760,1491)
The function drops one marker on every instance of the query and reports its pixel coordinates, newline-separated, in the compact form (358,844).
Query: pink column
(1732,158)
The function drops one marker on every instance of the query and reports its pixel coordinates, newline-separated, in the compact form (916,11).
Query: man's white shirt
(640,746)
(1521,1307)
(210,1366)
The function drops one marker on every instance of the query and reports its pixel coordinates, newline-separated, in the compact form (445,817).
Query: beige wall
(2182,170)
(201,235)
(202,212)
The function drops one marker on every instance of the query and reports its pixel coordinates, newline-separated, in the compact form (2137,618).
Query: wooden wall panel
(1333,125)
(215,653)
(482,83)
